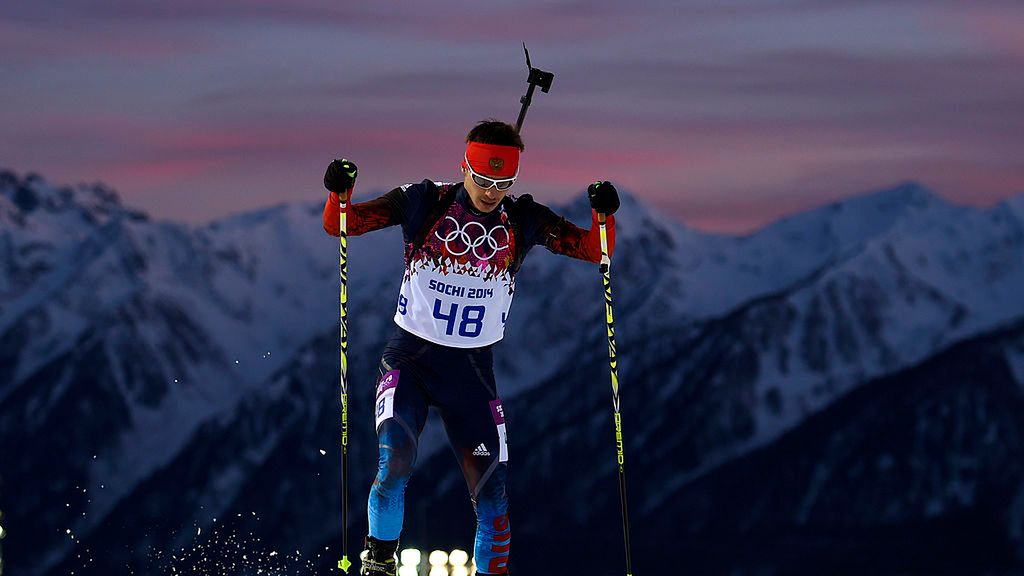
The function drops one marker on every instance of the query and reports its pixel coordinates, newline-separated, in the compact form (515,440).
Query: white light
(458,557)
(438,558)
(2,532)
(460,571)
(438,570)
(411,557)
(408,570)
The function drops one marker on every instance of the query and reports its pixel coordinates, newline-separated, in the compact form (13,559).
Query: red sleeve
(362,217)
(571,240)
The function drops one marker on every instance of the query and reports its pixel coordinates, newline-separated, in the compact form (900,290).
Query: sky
(725,115)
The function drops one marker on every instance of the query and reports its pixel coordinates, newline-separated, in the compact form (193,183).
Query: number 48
(471,323)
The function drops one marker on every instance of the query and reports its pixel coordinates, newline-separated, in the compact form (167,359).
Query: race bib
(499,421)
(458,287)
(385,404)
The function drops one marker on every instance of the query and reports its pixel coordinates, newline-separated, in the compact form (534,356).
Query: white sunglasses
(485,182)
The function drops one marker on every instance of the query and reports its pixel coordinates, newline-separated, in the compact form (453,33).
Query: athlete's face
(483,200)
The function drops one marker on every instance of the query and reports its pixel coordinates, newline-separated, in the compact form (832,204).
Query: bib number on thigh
(499,421)
(385,404)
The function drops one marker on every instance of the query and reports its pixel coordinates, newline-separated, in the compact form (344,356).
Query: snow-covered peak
(909,194)
(845,224)
(90,204)
(1013,207)
(634,216)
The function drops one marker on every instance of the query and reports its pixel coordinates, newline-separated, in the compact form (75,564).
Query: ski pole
(344,563)
(606,263)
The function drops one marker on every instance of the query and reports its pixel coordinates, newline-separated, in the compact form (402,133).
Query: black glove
(340,176)
(603,197)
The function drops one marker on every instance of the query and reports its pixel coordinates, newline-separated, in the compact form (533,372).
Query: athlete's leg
(401,410)
(474,420)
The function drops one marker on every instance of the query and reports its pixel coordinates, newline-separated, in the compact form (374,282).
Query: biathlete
(464,243)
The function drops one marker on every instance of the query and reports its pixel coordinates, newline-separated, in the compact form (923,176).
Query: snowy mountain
(942,465)
(155,377)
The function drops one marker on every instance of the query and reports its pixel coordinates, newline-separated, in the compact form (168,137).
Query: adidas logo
(481,450)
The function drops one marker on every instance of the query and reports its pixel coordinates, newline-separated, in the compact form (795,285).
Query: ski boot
(378,557)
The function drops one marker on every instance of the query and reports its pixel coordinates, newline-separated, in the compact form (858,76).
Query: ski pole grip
(606,261)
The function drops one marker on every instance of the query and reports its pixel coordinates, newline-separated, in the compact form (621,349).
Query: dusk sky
(724,114)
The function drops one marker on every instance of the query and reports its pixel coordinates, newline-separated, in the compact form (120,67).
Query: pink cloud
(157,173)
(688,132)
(992,25)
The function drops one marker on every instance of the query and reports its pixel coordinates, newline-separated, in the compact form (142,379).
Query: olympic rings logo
(485,240)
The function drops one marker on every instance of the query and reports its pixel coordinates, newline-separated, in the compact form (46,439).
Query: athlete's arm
(363,217)
(540,225)
(573,241)
(406,205)
(385,211)
(564,237)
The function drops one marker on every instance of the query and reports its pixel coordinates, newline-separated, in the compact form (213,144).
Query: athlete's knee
(394,468)
(491,498)
(491,504)
(397,451)
(492,511)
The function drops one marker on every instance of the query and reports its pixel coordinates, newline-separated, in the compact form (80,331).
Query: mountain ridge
(173,328)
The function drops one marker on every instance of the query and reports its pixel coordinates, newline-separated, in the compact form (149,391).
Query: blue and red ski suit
(457,288)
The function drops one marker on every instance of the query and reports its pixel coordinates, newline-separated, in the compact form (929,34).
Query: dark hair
(492,131)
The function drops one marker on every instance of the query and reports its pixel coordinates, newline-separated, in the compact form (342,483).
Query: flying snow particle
(323,452)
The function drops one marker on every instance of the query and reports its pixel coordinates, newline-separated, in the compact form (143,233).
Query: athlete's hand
(604,198)
(340,176)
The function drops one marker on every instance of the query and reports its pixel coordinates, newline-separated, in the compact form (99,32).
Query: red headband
(493,160)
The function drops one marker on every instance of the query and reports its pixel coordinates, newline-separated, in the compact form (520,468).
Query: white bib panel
(457,288)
